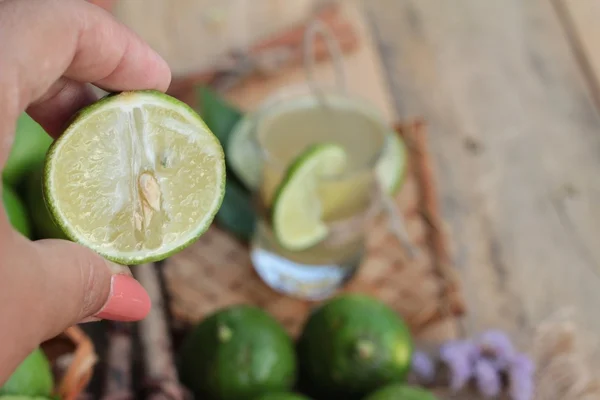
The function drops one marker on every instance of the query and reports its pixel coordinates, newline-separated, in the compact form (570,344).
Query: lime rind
(392,166)
(296,211)
(127,100)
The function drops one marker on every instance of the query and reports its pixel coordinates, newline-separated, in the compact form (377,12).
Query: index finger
(75,39)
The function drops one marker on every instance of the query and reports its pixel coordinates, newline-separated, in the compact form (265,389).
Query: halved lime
(135,177)
(391,169)
(296,211)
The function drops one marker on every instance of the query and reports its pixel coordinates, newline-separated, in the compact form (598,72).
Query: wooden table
(510,91)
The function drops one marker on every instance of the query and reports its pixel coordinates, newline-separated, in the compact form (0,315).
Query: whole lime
(237,353)
(33,377)
(281,396)
(15,210)
(43,224)
(400,392)
(352,345)
(29,148)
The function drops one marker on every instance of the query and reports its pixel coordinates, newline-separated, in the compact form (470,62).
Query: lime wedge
(296,211)
(391,169)
(135,177)
(243,155)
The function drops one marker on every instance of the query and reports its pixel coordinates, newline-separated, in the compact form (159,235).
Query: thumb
(74,285)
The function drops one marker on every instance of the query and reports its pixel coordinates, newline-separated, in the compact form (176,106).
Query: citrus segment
(297,211)
(135,177)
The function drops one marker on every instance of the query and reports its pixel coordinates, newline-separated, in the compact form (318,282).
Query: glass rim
(298,92)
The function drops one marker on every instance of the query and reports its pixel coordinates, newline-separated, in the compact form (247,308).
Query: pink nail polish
(128,300)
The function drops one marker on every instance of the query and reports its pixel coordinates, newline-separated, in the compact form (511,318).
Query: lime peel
(296,212)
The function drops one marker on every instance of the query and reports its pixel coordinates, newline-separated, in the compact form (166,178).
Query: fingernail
(128,300)
(90,319)
(118,269)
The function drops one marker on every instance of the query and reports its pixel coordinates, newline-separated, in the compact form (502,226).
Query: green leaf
(32,378)
(219,115)
(236,214)
(29,147)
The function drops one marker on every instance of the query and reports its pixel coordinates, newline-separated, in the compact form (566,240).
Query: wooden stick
(416,133)
(118,384)
(159,367)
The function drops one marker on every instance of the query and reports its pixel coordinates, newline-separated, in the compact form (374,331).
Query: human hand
(49,49)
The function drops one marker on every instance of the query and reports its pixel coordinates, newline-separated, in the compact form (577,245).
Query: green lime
(43,224)
(17,397)
(237,353)
(136,177)
(296,211)
(15,210)
(352,345)
(33,377)
(281,396)
(401,392)
(29,147)
(392,167)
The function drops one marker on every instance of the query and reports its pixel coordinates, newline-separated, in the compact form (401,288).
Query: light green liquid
(288,132)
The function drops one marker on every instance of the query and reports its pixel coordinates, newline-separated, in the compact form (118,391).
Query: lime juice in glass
(317,156)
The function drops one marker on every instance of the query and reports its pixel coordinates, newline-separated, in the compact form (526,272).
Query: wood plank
(580,20)
(514,132)
(193,35)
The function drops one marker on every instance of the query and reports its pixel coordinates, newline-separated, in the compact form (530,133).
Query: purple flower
(521,372)
(497,348)
(423,367)
(459,356)
(487,378)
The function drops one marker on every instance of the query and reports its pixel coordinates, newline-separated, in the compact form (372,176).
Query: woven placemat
(216,271)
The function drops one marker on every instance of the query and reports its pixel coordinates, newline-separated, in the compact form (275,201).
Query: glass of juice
(317,189)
